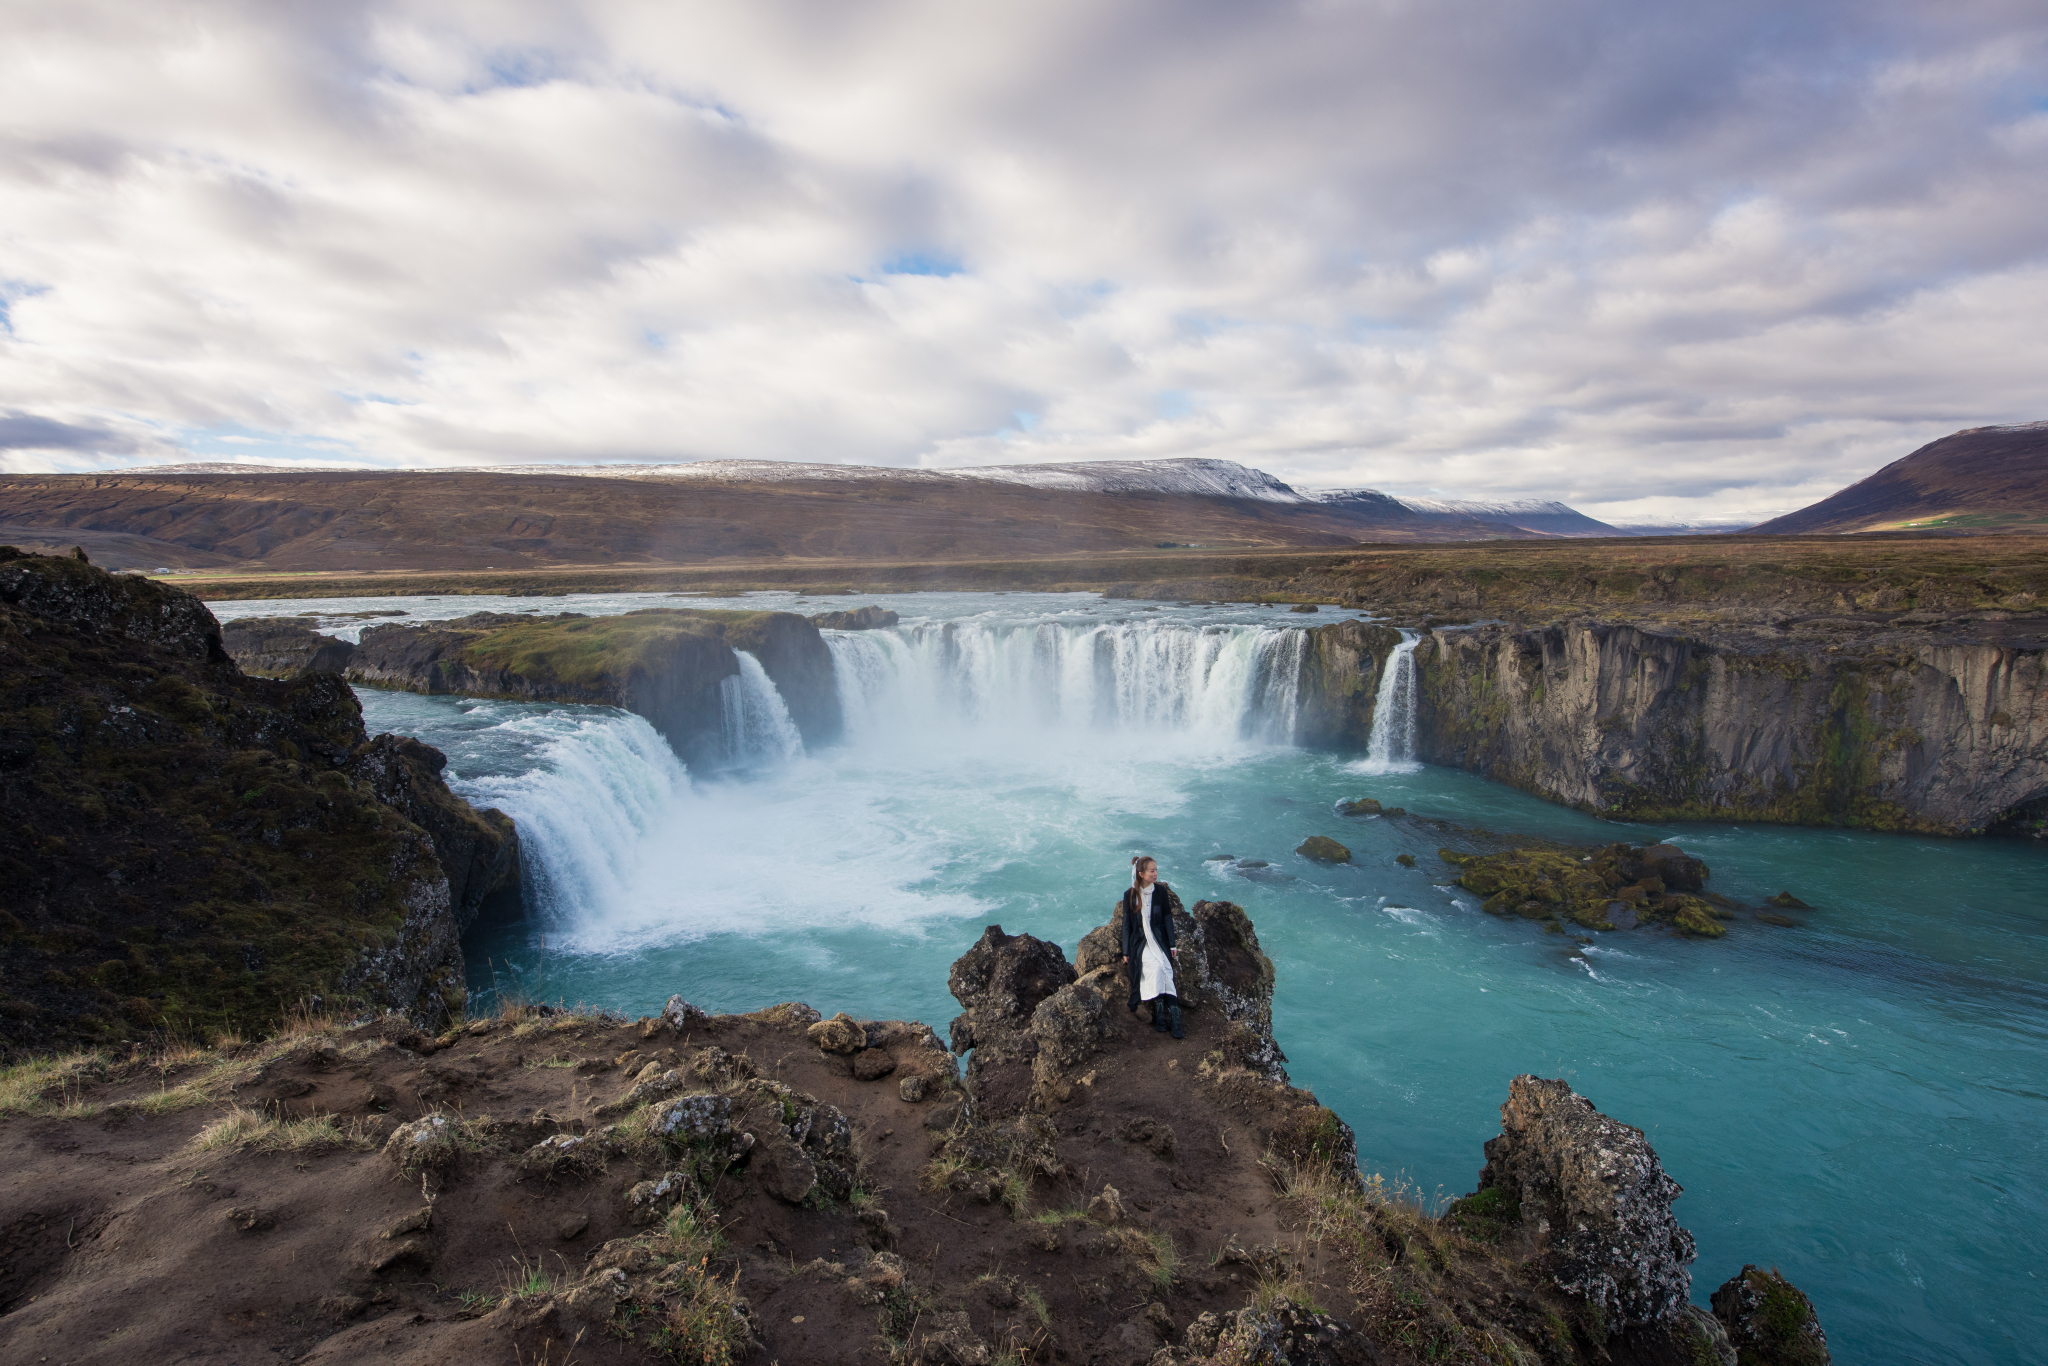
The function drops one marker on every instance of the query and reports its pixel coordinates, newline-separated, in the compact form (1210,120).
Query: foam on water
(1857,1101)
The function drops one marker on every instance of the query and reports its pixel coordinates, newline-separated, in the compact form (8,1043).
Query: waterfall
(1390,748)
(758,728)
(599,783)
(1220,683)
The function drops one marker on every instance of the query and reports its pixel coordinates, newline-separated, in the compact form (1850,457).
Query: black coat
(1164,904)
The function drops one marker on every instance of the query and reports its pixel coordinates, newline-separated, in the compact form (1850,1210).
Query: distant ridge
(1187,475)
(1981,480)
(1530,516)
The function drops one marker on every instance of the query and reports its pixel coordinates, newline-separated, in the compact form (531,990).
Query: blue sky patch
(922,263)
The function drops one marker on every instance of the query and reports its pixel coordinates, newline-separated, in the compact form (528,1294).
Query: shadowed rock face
(1591,1189)
(1341,682)
(196,848)
(1879,731)
(478,850)
(284,647)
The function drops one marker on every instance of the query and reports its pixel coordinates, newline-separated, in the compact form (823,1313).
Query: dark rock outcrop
(478,850)
(284,647)
(194,847)
(1593,1196)
(1885,730)
(869,618)
(1770,1322)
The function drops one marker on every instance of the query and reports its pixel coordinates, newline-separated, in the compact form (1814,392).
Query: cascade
(598,784)
(1221,683)
(758,728)
(1390,746)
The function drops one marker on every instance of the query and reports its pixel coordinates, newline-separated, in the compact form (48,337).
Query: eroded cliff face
(1341,682)
(1884,730)
(194,849)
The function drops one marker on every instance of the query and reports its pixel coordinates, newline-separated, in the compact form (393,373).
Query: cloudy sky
(1658,259)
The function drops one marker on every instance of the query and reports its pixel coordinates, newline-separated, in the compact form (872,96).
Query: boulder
(1593,1194)
(1284,1332)
(781,1167)
(1359,806)
(840,1034)
(1323,849)
(681,1015)
(1785,901)
(873,1064)
(999,983)
(1769,1321)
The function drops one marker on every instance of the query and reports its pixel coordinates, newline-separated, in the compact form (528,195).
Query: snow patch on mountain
(1179,474)
(1505,509)
(1207,478)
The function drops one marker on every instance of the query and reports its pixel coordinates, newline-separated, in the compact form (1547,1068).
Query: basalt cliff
(779,1186)
(195,850)
(1891,725)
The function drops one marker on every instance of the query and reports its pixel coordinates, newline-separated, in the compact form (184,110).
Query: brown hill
(471,519)
(1986,479)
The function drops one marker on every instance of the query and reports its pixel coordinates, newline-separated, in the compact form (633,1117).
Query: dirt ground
(126,1241)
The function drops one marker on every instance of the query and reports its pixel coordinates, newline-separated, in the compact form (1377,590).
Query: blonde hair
(1138,862)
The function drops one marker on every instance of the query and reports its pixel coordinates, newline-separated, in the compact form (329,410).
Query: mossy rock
(1405,860)
(1323,849)
(1785,901)
(1694,917)
(1359,806)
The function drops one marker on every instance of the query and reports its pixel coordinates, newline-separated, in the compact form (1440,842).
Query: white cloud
(1699,262)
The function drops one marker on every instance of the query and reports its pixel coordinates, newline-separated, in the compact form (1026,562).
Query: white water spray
(604,783)
(1390,746)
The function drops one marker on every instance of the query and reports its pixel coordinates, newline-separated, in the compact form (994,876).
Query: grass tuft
(245,1130)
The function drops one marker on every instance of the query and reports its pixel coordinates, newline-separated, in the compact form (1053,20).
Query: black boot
(1159,1013)
(1173,1015)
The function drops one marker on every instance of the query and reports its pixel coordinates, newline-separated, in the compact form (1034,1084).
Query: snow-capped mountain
(1198,477)
(1180,474)
(1541,516)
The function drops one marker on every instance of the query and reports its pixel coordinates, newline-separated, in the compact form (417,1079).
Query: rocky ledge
(778,1186)
(192,849)
(672,666)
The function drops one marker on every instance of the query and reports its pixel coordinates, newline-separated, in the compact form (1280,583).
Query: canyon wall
(1879,729)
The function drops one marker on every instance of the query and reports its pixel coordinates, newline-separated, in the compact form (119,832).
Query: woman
(1149,952)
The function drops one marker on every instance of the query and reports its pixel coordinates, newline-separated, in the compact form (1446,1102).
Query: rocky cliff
(192,849)
(778,1186)
(1884,729)
(1340,683)
(667,665)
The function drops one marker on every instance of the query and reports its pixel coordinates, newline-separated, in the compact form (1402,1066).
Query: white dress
(1157,978)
